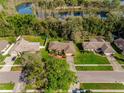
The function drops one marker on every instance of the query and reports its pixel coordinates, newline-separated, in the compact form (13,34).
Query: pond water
(25,8)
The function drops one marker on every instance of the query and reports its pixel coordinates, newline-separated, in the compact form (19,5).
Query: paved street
(100,76)
(6,77)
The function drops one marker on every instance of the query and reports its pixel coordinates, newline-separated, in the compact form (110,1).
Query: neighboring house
(120,44)
(3,46)
(99,45)
(66,48)
(24,46)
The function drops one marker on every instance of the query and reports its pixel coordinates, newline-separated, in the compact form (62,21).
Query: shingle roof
(3,44)
(96,44)
(25,46)
(119,43)
(67,47)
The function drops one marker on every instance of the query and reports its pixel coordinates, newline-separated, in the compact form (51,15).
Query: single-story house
(99,45)
(3,46)
(66,48)
(120,44)
(24,46)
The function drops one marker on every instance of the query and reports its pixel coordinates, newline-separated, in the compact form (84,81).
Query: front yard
(94,68)
(6,86)
(101,86)
(2,59)
(89,58)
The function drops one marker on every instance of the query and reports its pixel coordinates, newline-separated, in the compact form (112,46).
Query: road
(6,77)
(100,76)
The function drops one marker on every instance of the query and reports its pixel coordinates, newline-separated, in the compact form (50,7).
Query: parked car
(14,58)
(81,91)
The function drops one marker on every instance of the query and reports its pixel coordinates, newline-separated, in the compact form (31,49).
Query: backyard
(101,86)
(90,58)
(9,39)
(34,39)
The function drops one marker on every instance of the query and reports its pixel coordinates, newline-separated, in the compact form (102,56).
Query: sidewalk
(92,64)
(107,91)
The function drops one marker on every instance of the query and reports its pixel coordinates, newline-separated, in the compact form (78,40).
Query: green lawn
(6,86)
(2,59)
(119,58)
(34,39)
(16,68)
(101,86)
(94,68)
(18,61)
(90,58)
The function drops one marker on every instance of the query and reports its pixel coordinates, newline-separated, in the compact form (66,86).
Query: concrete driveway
(100,76)
(6,77)
(70,61)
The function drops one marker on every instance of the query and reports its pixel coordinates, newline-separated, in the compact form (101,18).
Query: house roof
(67,47)
(3,44)
(98,43)
(119,43)
(25,46)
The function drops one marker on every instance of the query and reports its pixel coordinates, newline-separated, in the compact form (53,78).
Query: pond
(25,8)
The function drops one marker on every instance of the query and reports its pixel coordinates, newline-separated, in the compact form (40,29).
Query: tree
(58,74)
(33,71)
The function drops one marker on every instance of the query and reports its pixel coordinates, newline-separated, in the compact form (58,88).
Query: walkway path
(19,87)
(116,66)
(70,61)
(107,91)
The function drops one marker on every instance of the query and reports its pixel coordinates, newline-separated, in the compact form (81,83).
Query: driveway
(116,66)
(70,61)
(6,77)
(100,76)
(8,65)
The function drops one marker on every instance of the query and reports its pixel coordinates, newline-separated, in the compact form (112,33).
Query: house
(3,46)
(24,46)
(120,44)
(66,48)
(99,45)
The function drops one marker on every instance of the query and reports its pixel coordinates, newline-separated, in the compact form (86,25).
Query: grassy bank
(94,68)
